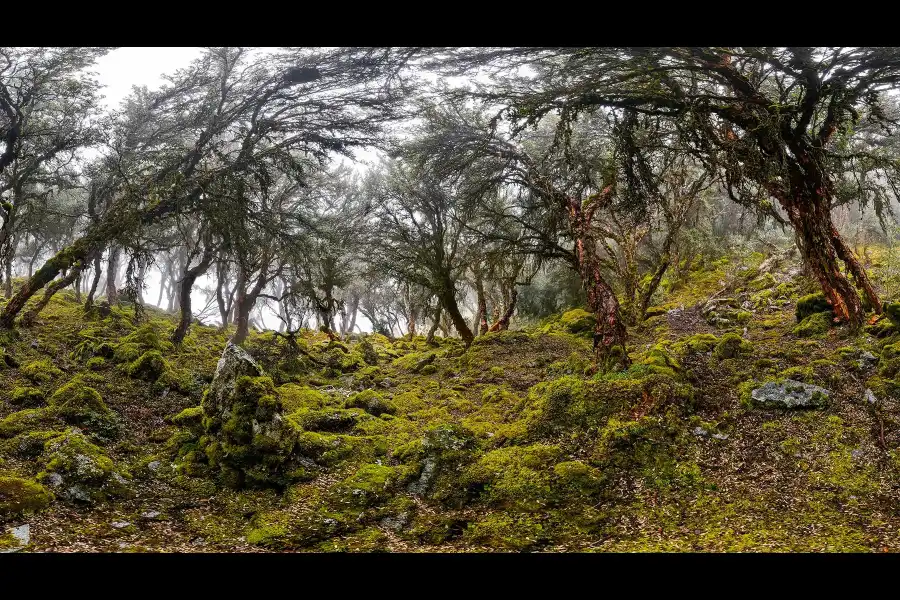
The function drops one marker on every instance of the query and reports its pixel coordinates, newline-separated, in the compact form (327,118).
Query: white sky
(124,68)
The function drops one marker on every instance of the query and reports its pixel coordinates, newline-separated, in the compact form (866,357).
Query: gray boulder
(235,363)
(790,394)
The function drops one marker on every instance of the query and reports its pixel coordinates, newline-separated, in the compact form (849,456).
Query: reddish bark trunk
(609,333)
(502,323)
(822,246)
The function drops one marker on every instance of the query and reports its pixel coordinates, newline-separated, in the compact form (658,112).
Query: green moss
(80,471)
(41,371)
(578,321)
(697,343)
(372,402)
(892,312)
(732,345)
(27,396)
(79,404)
(372,483)
(96,363)
(507,531)
(149,366)
(812,304)
(294,397)
(25,420)
(576,476)
(127,352)
(21,496)
(815,325)
(29,444)
(517,477)
(248,443)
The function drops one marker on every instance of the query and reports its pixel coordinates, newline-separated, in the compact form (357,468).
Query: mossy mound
(372,402)
(245,438)
(149,366)
(815,325)
(41,371)
(27,396)
(732,345)
(578,321)
(812,304)
(79,471)
(21,496)
(80,404)
(26,420)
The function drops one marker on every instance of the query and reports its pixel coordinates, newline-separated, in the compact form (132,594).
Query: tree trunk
(29,317)
(112,269)
(609,333)
(821,246)
(95,281)
(502,323)
(434,326)
(411,325)
(448,300)
(78,288)
(8,267)
(246,300)
(354,308)
(187,283)
(482,304)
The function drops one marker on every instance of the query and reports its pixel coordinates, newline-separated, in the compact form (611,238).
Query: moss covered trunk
(610,334)
(184,291)
(29,317)
(95,281)
(112,270)
(82,250)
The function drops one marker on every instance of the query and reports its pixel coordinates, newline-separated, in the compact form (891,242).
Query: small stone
(868,359)
(22,533)
(34,343)
(870,397)
(700,432)
(396,523)
(55,479)
(856,453)
(120,524)
(790,394)
(150,514)
(153,465)
(720,436)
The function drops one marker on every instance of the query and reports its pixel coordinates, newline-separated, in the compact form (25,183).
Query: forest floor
(512,445)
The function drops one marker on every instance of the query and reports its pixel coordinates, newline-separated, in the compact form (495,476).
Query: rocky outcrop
(790,394)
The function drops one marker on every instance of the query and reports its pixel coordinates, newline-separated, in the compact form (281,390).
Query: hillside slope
(514,444)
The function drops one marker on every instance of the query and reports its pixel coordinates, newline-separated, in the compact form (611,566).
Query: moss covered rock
(80,471)
(732,345)
(149,366)
(41,371)
(578,321)
(80,404)
(246,439)
(20,496)
(815,325)
(27,396)
(372,402)
(812,304)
